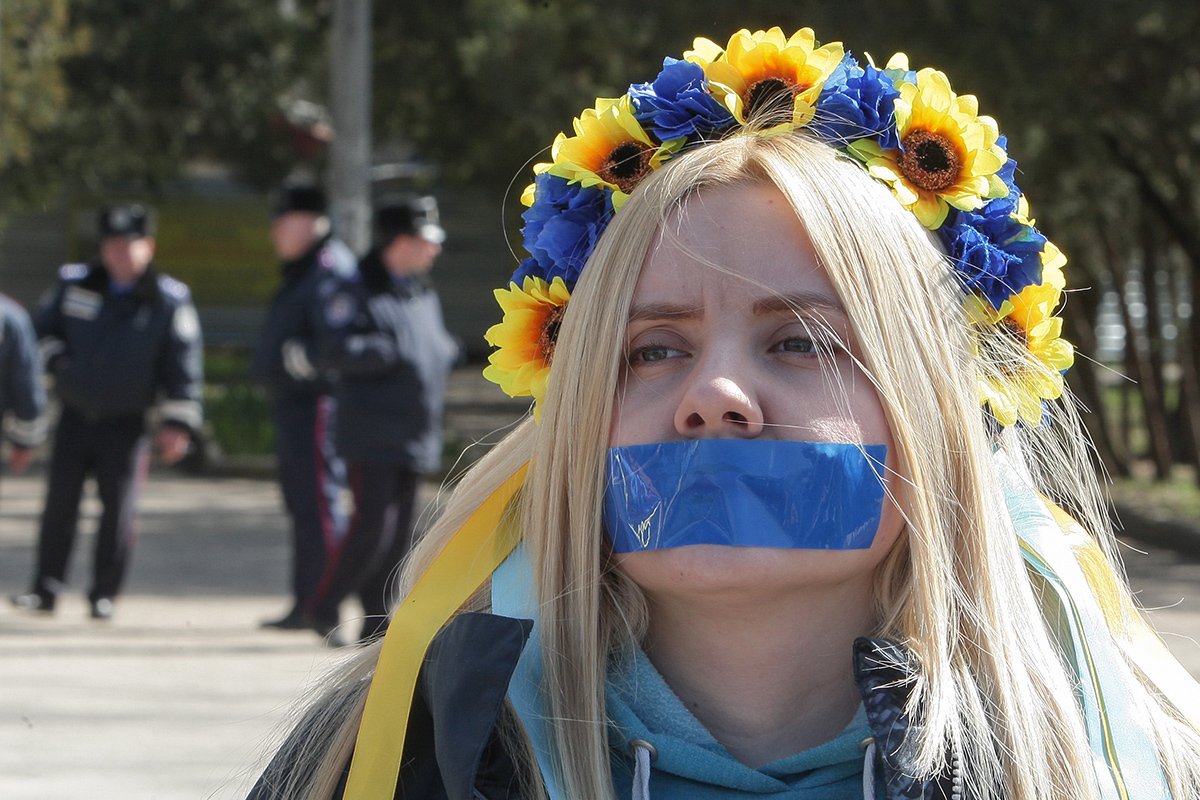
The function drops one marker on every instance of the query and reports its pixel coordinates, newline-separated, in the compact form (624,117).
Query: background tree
(35,39)
(129,92)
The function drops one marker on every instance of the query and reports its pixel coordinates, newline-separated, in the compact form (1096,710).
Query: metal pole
(350,94)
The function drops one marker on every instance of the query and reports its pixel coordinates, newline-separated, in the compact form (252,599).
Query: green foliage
(239,418)
(1175,499)
(236,411)
(133,91)
(34,41)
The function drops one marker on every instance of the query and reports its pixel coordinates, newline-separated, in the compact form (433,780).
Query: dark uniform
(22,399)
(311,476)
(113,352)
(387,341)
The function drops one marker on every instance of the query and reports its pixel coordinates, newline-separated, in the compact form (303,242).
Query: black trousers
(312,479)
(379,538)
(116,452)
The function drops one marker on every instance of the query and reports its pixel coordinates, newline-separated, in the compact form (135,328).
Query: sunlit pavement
(181,695)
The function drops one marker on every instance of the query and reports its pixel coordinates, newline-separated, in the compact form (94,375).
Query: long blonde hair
(992,684)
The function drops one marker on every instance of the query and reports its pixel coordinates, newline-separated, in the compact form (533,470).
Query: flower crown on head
(941,159)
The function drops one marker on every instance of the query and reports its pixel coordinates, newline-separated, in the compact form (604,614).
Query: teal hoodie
(691,764)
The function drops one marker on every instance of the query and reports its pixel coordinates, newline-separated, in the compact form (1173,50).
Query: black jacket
(115,355)
(285,360)
(21,395)
(452,750)
(390,350)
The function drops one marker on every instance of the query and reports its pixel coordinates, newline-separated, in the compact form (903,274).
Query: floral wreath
(941,159)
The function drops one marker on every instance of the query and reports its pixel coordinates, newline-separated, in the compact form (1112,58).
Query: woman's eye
(797,345)
(649,354)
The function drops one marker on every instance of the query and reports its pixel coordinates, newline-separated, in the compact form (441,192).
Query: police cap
(409,215)
(130,220)
(304,197)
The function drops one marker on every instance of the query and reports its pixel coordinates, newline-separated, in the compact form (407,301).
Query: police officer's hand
(19,459)
(171,443)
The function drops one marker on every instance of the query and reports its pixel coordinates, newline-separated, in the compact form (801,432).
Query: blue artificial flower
(678,104)
(994,253)
(856,102)
(561,228)
(527,268)
(899,76)
(1008,174)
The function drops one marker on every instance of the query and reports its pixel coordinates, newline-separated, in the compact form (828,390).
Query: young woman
(760,535)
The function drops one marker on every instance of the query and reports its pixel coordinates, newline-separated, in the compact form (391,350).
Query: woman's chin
(747,572)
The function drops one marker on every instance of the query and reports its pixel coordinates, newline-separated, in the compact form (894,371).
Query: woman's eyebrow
(795,302)
(647,311)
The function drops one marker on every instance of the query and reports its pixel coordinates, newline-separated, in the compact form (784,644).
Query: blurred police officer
(118,337)
(22,399)
(393,354)
(311,475)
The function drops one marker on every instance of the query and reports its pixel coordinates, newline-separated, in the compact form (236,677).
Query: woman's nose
(719,406)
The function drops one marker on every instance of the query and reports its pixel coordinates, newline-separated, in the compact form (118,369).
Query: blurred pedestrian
(311,476)
(22,398)
(392,353)
(118,337)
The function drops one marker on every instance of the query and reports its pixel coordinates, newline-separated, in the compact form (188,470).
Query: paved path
(181,696)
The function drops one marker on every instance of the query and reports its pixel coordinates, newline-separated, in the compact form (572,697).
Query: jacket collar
(299,266)
(453,742)
(376,279)
(886,673)
(97,280)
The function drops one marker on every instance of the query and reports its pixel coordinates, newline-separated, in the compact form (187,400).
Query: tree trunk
(1139,366)
(1154,385)
(1189,364)
(1086,385)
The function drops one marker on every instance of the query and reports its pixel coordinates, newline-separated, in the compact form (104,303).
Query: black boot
(34,601)
(102,608)
(291,621)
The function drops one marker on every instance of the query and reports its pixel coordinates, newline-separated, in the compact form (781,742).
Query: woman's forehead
(742,239)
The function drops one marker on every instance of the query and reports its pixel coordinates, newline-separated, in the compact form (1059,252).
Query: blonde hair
(991,684)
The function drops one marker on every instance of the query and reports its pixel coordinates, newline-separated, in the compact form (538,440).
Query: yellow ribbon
(467,560)
(1139,641)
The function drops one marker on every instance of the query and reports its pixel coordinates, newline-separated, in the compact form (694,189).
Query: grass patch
(237,410)
(1177,499)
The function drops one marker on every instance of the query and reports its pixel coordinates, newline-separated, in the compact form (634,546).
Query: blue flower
(857,102)
(994,253)
(678,104)
(528,268)
(561,228)
(1008,174)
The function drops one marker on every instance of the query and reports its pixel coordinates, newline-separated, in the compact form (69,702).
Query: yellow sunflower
(948,154)
(767,70)
(609,147)
(1015,389)
(525,337)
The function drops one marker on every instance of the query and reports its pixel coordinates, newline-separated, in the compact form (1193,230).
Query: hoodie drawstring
(868,768)
(644,755)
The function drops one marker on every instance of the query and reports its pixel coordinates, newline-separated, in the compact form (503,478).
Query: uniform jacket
(453,751)
(21,395)
(392,354)
(285,360)
(116,355)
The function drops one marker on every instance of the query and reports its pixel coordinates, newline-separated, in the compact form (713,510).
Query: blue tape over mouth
(744,493)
